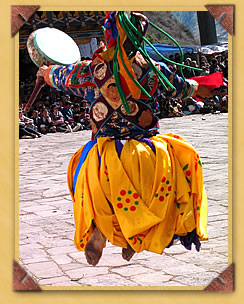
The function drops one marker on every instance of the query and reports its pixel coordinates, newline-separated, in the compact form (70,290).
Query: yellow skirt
(142,197)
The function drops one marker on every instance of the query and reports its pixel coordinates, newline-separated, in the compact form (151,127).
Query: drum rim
(52,61)
(30,54)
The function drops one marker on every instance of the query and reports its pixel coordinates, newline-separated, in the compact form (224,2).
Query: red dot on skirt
(120,205)
(122,192)
(161,198)
(162,189)
(132,208)
(82,245)
(169,188)
(127,200)
(163,179)
(135,195)
(188,172)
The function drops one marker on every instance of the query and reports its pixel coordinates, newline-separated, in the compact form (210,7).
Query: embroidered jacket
(94,81)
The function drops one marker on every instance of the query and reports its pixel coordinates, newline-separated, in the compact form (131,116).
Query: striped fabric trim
(46,75)
(51,73)
(194,87)
(83,156)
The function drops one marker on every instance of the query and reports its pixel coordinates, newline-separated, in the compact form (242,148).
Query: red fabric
(212,81)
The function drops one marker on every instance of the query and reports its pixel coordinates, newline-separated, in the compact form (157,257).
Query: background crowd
(53,111)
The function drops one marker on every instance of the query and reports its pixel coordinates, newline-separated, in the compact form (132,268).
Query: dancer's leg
(127,253)
(94,247)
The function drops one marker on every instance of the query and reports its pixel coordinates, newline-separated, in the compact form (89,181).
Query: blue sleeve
(73,79)
(183,88)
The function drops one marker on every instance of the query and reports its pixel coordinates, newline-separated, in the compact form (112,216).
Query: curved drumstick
(39,84)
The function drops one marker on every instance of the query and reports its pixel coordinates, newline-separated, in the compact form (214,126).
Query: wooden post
(207,28)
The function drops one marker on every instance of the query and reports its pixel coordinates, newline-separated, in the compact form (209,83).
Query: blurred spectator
(220,61)
(67,111)
(60,104)
(205,70)
(177,57)
(195,65)
(85,105)
(209,105)
(191,104)
(85,119)
(163,106)
(26,127)
(203,61)
(214,67)
(47,102)
(188,73)
(175,109)
(35,117)
(69,117)
(225,68)
(76,112)
(223,104)
(28,121)
(58,119)
(171,57)
(46,123)
(65,98)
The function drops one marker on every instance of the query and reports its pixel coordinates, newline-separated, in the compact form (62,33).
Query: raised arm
(184,89)
(73,79)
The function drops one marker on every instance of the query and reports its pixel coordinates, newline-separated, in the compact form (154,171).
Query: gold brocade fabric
(141,197)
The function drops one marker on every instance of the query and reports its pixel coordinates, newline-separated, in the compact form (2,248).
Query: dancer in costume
(131,186)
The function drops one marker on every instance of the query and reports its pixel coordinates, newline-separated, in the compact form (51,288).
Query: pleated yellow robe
(141,198)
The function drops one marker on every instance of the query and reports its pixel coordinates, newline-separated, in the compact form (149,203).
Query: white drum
(52,46)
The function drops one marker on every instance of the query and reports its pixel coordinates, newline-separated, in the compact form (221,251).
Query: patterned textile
(142,192)
(94,81)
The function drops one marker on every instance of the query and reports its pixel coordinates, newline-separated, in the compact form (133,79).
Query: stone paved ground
(46,226)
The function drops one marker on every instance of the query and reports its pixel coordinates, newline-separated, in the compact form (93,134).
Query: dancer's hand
(40,73)
(203,92)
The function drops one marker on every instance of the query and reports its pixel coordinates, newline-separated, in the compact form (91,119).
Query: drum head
(52,46)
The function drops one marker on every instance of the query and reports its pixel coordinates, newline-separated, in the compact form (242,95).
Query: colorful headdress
(110,29)
(125,35)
